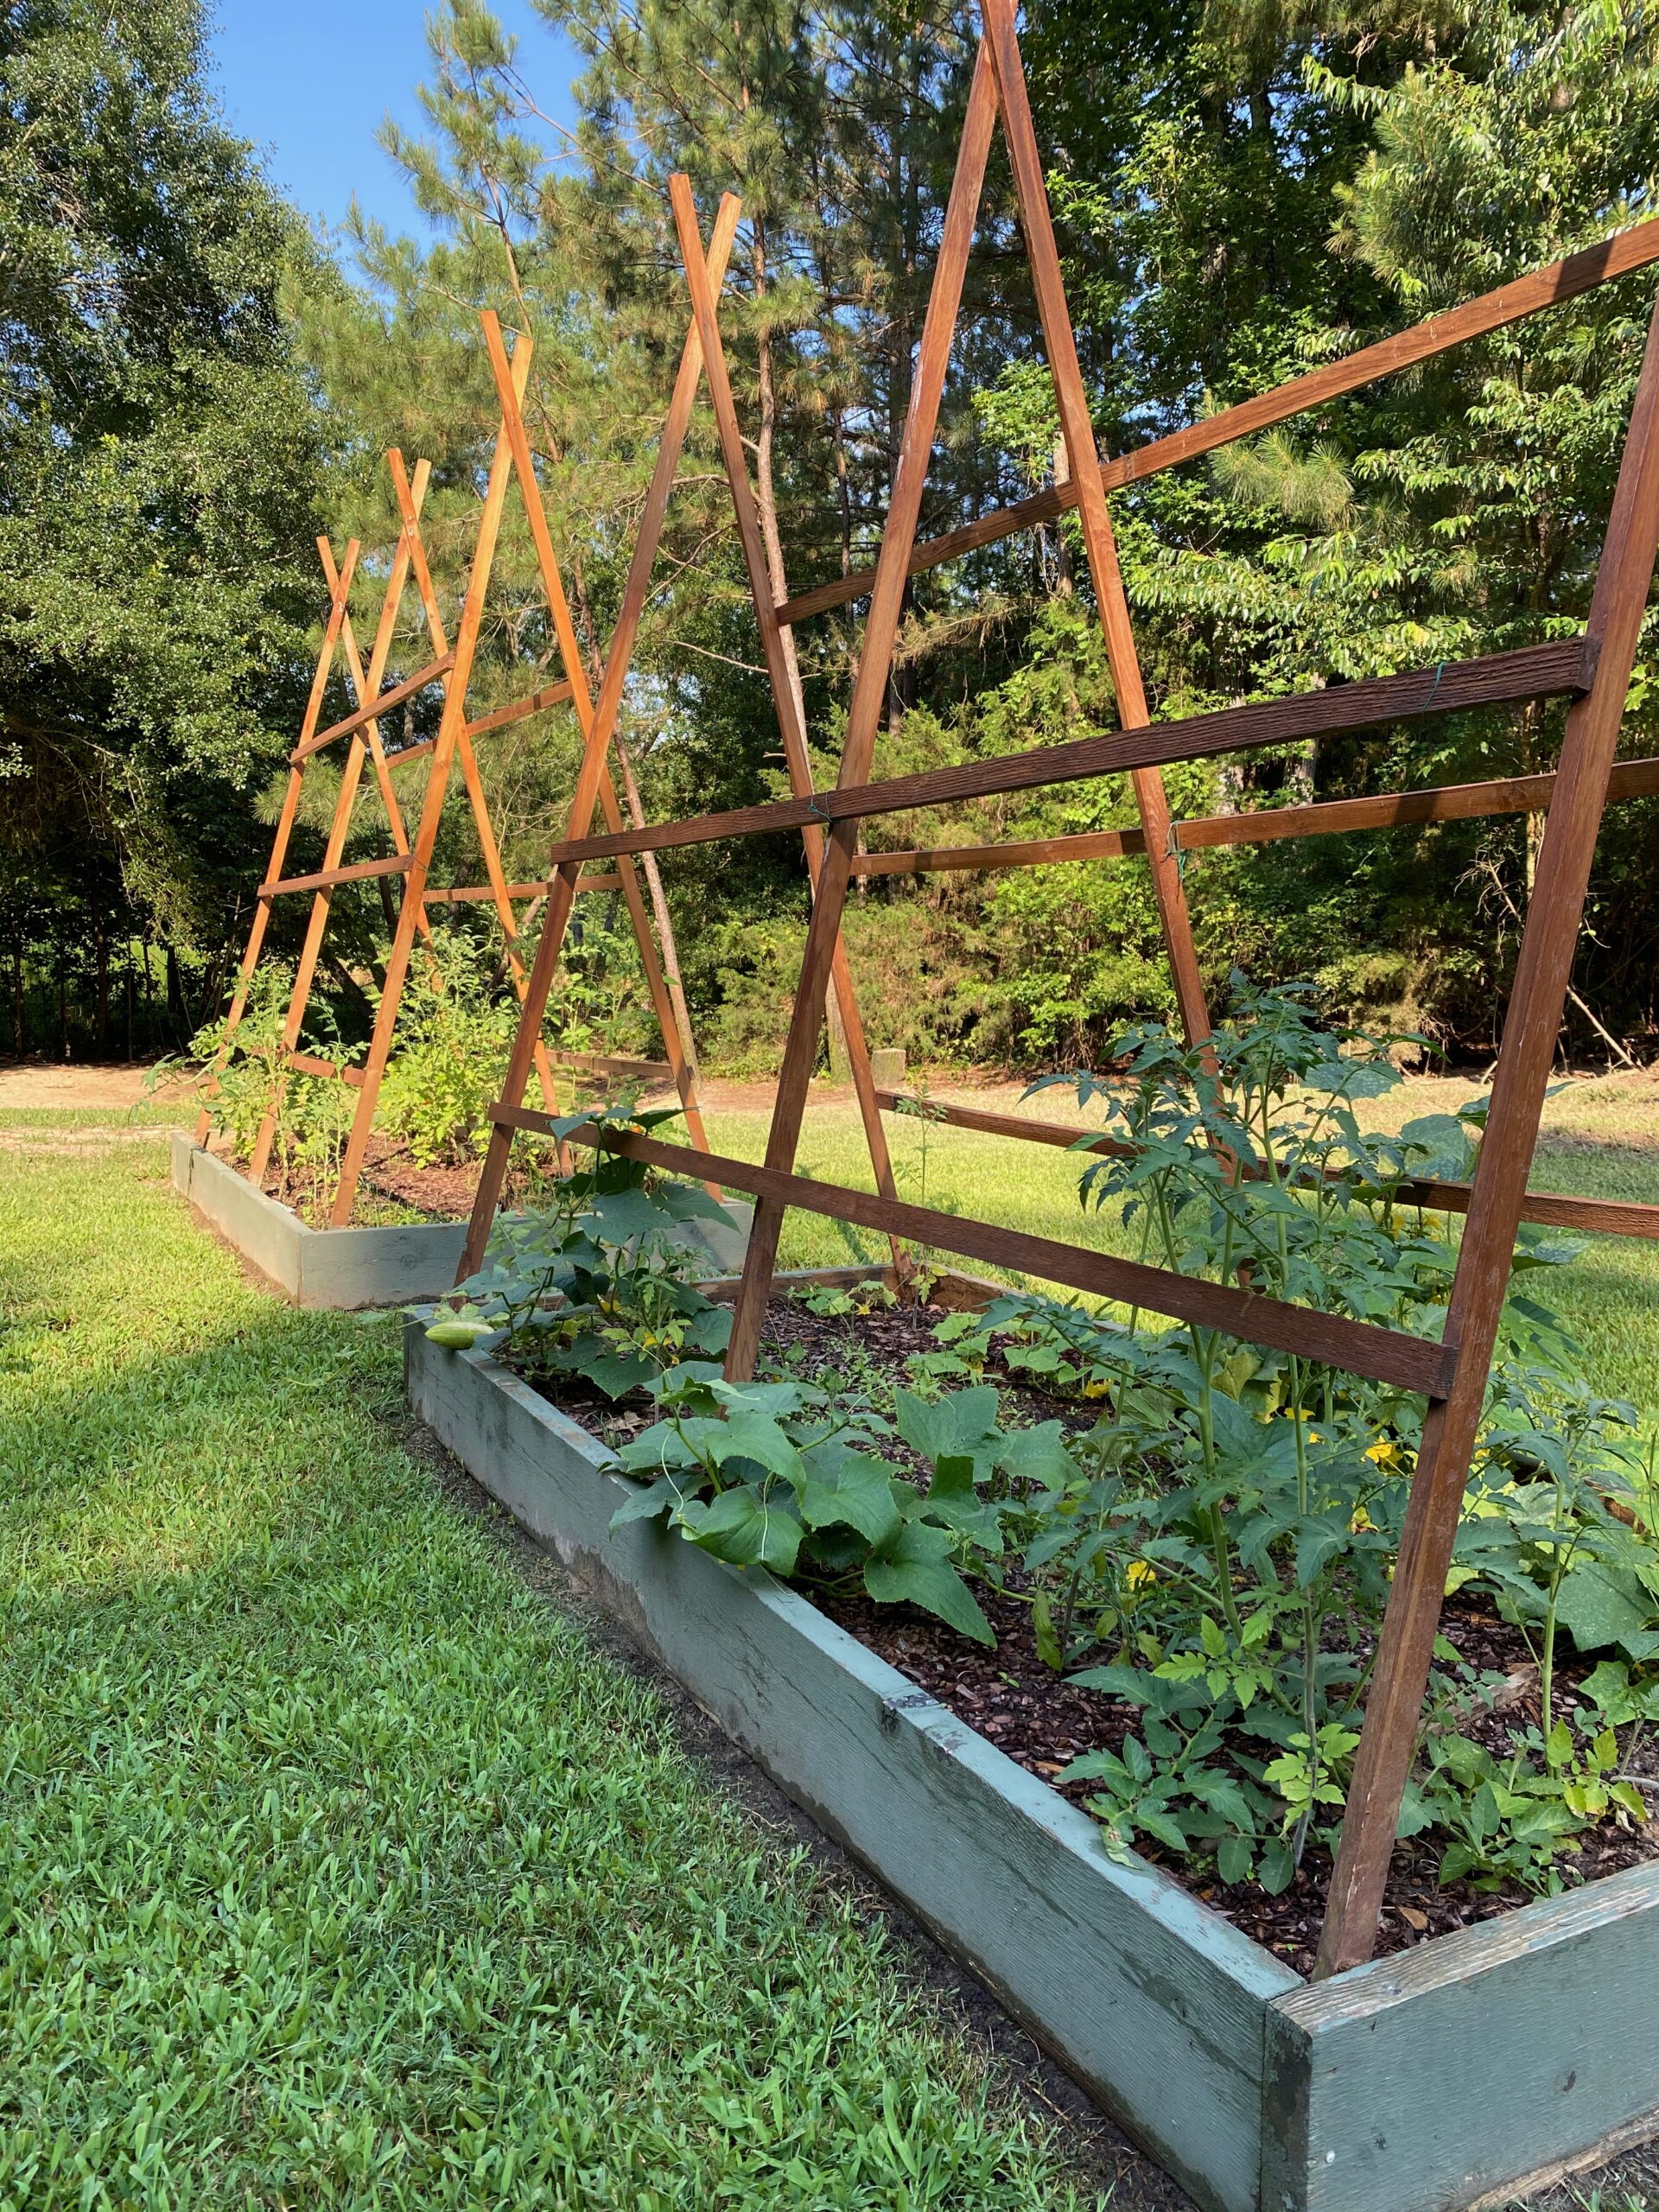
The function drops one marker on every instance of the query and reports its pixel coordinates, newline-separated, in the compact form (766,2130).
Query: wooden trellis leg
(408,505)
(869,692)
(561,892)
(456,683)
(285,819)
(581,700)
(367,686)
(1083,458)
(1394,1708)
(786,705)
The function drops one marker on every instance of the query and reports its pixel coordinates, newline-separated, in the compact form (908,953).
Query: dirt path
(83,1083)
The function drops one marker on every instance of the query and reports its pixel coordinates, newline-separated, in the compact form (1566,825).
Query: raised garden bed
(348,1268)
(1432,2078)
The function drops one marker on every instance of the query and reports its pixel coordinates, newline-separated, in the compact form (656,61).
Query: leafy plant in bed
(1205,1542)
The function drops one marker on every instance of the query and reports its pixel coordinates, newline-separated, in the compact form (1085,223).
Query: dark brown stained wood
(326,879)
(1100,546)
(1563,669)
(464,894)
(783,682)
(1562,280)
(308,1064)
(870,689)
(606,1064)
(1328,818)
(550,695)
(1602,1217)
(1385,1355)
(383,705)
(593,743)
(598,729)
(1394,1705)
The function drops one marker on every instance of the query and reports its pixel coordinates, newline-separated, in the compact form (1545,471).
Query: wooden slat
(1531,1027)
(1385,1355)
(340,592)
(1561,280)
(467,893)
(1601,1217)
(308,1064)
(376,708)
(326,879)
(1559,670)
(603,1063)
(870,687)
(598,727)
(550,695)
(1324,818)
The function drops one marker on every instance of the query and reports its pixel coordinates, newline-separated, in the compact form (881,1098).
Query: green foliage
(1226,1533)
(454,1034)
(162,461)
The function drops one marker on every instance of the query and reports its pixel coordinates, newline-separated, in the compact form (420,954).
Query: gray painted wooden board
(1469,2063)
(344,1269)
(1416,2084)
(1156,2004)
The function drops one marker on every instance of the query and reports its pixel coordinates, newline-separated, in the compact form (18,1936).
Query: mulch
(1042,1722)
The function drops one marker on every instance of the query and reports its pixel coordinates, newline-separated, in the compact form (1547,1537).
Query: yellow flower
(1361,1520)
(1095,1388)
(1384,1452)
(1139,1574)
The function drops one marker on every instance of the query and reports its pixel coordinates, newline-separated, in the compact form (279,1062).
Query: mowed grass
(1601,1139)
(335,1870)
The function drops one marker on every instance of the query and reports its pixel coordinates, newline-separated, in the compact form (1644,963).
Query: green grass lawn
(1609,1298)
(337,1869)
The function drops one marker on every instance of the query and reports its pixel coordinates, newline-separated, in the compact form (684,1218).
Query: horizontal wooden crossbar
(1604,1216)
(1560,669)
(357,872)
(466,894)
(600,1063)
(1562,280)
(1328,818)
(383,705)
(1385,1355)
(521,709)
(308,1064)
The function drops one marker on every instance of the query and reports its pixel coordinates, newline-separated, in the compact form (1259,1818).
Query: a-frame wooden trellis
(452,744)
(701,355)
(1592,671)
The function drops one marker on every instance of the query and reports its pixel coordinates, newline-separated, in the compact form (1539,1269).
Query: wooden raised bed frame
(1459,2070)
(1592,670)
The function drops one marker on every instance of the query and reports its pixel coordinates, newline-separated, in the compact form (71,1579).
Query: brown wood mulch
(1042,1722)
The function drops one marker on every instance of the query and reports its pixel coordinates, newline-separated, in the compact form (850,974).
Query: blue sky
(310,81)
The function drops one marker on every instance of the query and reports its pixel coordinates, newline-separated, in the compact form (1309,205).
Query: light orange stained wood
(455,685)
(581,699)
(1394,1704)
(284,820)
(563,885)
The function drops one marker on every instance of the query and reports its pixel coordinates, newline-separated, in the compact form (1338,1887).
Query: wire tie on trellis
(1439,672)
(816,811)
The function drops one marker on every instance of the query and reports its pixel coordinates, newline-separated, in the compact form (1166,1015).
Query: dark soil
(437,1193)
(1042,1721)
